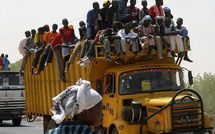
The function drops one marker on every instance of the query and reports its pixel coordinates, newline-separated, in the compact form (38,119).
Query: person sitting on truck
(40,46)
(84,106)
(128,37)
(94,21)
(106,14)
(133,11)
(56,48)
(171,36)
(33,33)
(144,11)
(78,46)
(82,30)
(183,32)
(122,10)
(25,47)
(6,63)
(168,14)
(147,35)
(47,53)
(113,12)
(156,10)
(68,38)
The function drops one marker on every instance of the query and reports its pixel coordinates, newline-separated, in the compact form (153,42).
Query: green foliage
(16,66)
(205,86)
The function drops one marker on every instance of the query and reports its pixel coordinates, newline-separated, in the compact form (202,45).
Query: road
(25,128)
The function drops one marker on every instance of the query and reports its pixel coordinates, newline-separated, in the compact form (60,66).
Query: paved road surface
(25,128)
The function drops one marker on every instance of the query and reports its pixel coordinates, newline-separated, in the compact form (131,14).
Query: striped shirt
(72,127)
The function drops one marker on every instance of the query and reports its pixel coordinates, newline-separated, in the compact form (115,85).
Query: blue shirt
(6,63)
(72,127)
(122,9)
(182,31)
(90,18)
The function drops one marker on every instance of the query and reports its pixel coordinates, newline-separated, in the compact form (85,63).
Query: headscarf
(145,18)
(74,100)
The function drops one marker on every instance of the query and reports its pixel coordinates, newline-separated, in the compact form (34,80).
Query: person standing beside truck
(84,106)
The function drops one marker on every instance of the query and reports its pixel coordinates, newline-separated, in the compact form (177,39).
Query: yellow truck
(139,96)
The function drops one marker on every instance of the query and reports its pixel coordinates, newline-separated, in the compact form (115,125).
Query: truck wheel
(1,121)
(52,125)
(114,131)
(17,121)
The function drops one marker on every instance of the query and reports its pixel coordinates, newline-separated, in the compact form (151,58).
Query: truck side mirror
(190,77)
(99,86)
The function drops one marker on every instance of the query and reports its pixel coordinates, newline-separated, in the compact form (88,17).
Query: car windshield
(150,80)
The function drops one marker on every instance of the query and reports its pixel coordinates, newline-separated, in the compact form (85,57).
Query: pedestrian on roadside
(6,63)
(84,106)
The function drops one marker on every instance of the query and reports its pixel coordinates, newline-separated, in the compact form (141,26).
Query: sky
(17,16)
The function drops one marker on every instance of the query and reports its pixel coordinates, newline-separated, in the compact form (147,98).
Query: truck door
(110,99)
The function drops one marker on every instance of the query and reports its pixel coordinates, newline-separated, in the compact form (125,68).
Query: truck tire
(16,121)
(114,131)
(1,121)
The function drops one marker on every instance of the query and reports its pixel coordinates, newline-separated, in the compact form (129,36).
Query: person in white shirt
(171,36)
(25,46)
(128,37)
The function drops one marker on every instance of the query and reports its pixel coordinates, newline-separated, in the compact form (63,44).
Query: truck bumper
(10,114)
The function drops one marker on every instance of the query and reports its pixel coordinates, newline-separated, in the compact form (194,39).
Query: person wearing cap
(183,32)
(147,34)
(106,14)
(144,11)
(84,106)
(156,10)
(168,14)
(133,11)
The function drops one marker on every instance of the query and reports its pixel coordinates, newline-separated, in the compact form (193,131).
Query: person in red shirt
(133,11)
(67,37)
(1,62)
(56,47)
(157,9)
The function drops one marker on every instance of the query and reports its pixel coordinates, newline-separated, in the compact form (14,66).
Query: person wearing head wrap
(83,104)
(168,14)
(147,34)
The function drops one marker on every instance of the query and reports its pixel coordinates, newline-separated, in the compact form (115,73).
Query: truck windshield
(150,80)
(11,80)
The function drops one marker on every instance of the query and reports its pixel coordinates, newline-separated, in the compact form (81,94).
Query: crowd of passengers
(4,62)
(115,23)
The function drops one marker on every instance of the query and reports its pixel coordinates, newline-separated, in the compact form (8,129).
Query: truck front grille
(13,104)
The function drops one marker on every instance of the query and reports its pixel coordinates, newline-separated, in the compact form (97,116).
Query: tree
(205,86)
(16,66)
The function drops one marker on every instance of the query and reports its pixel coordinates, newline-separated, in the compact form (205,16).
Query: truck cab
(12,102)
(145,98)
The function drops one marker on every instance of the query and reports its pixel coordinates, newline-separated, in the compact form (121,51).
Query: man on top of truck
(157,9)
